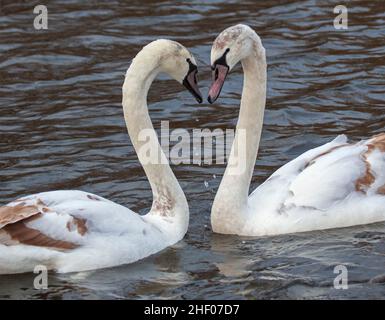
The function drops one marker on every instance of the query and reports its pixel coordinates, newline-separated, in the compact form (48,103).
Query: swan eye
(188,60)
(227,50)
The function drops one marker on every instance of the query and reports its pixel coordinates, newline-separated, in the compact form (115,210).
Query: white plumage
(320,190)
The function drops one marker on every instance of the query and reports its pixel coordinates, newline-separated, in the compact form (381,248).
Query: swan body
(335,185)
(327,187)
(74,230)
(71,230)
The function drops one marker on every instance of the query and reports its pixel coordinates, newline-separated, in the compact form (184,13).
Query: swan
(338,184)
(70,230)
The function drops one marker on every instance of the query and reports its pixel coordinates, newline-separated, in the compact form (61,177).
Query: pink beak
(219,77)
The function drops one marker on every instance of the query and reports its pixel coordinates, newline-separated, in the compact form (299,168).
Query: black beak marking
(191,83)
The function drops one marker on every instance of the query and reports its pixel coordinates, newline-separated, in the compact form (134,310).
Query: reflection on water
(61,127)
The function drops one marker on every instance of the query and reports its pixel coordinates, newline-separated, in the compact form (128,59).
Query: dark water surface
(61,127)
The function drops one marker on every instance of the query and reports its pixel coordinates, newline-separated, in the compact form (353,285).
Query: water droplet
(206,184)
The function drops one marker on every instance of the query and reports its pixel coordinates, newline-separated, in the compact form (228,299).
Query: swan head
(175,60)
(231,46)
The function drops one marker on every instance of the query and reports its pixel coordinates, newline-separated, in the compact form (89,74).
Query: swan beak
(191,84)
(219,76)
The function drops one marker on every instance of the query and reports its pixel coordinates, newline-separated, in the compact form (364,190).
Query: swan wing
(63,220)
(279,185)
(338,180)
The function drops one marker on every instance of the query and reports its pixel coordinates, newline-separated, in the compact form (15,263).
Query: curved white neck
(168,197)
(232,195)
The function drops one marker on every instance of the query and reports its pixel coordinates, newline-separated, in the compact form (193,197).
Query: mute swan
(335,185)
(75,231)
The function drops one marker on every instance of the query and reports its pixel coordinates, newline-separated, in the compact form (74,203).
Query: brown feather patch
(363,183)
(381,190)
(376,143)
(18,232)
(79,224)
(17,213)
(6,239)
(14,230)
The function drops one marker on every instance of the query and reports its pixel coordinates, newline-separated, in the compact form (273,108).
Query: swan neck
(168,197)
(233,191)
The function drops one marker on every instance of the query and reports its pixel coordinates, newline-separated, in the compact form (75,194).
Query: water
(61,127)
